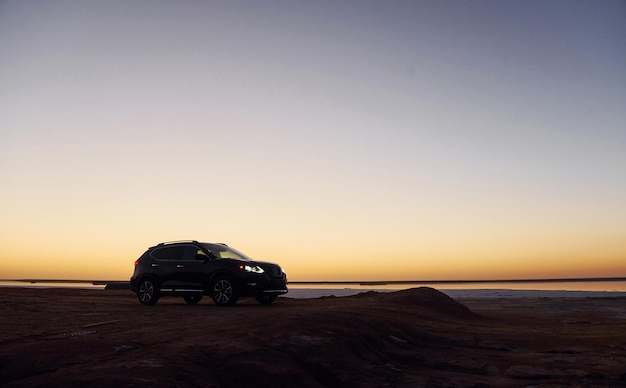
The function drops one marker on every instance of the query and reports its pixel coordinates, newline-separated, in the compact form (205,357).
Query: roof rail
(177,241)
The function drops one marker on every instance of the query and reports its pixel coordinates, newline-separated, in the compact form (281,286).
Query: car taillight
(136,261)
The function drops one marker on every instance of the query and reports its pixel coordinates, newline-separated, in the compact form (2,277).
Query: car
(192,269)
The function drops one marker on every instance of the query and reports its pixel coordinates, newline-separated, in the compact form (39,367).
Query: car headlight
(251,268)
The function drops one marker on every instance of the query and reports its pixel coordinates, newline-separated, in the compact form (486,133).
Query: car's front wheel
(266,299)
(192,299)
(147,292)
(224,292)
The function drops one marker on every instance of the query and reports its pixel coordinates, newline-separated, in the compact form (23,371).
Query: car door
(166,264)
(193,270)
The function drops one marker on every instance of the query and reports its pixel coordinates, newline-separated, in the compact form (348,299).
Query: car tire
(224,291)
(266,299)
(192,299)
(148,292)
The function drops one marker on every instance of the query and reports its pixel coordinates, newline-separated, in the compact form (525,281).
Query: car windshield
(224,252)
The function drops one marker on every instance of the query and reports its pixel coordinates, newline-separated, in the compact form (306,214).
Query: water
(608,286)
(77,284)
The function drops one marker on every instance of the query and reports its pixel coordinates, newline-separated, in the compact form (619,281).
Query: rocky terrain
(411,338)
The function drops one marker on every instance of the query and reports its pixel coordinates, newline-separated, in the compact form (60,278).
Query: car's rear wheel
(147,292)
(224,292)
(266,298)
(192,299)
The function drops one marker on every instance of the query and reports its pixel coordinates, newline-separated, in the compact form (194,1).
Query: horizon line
(359,282)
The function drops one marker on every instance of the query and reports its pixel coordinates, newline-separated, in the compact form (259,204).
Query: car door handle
(180,266)
(155,265)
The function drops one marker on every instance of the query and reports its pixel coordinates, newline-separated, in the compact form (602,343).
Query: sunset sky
(345,140)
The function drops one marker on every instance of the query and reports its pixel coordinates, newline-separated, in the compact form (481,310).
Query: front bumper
(265,285)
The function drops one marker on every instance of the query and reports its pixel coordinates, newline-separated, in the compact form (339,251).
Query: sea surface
(54,284)
(606,286)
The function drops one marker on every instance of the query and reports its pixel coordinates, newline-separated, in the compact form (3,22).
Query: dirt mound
(430,299)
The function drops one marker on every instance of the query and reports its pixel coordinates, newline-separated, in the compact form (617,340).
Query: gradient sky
(345,140)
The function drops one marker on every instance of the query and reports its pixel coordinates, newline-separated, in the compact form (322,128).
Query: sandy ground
(410,338)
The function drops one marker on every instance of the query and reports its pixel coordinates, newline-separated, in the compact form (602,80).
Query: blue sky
(454,139)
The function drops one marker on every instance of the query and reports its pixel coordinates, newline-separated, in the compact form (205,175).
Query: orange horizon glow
(348,267)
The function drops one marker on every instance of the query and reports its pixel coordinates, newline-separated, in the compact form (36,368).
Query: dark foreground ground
(412,338)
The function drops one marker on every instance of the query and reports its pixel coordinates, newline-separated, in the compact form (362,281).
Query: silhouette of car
(192,269)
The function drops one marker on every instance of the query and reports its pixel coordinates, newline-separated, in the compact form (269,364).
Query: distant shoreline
(355,282)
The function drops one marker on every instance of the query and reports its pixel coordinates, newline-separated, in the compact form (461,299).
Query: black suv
(192,269)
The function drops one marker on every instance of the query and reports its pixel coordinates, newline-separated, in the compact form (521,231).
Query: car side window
(173,253)
(156,253)
(191,251)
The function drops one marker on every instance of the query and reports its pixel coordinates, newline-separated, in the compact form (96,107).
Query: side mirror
(202,257)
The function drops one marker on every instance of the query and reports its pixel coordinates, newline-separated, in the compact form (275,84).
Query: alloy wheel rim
(223,291)
(146,291)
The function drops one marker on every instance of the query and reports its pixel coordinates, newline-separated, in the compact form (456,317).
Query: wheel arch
(220,273)
(152,277)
